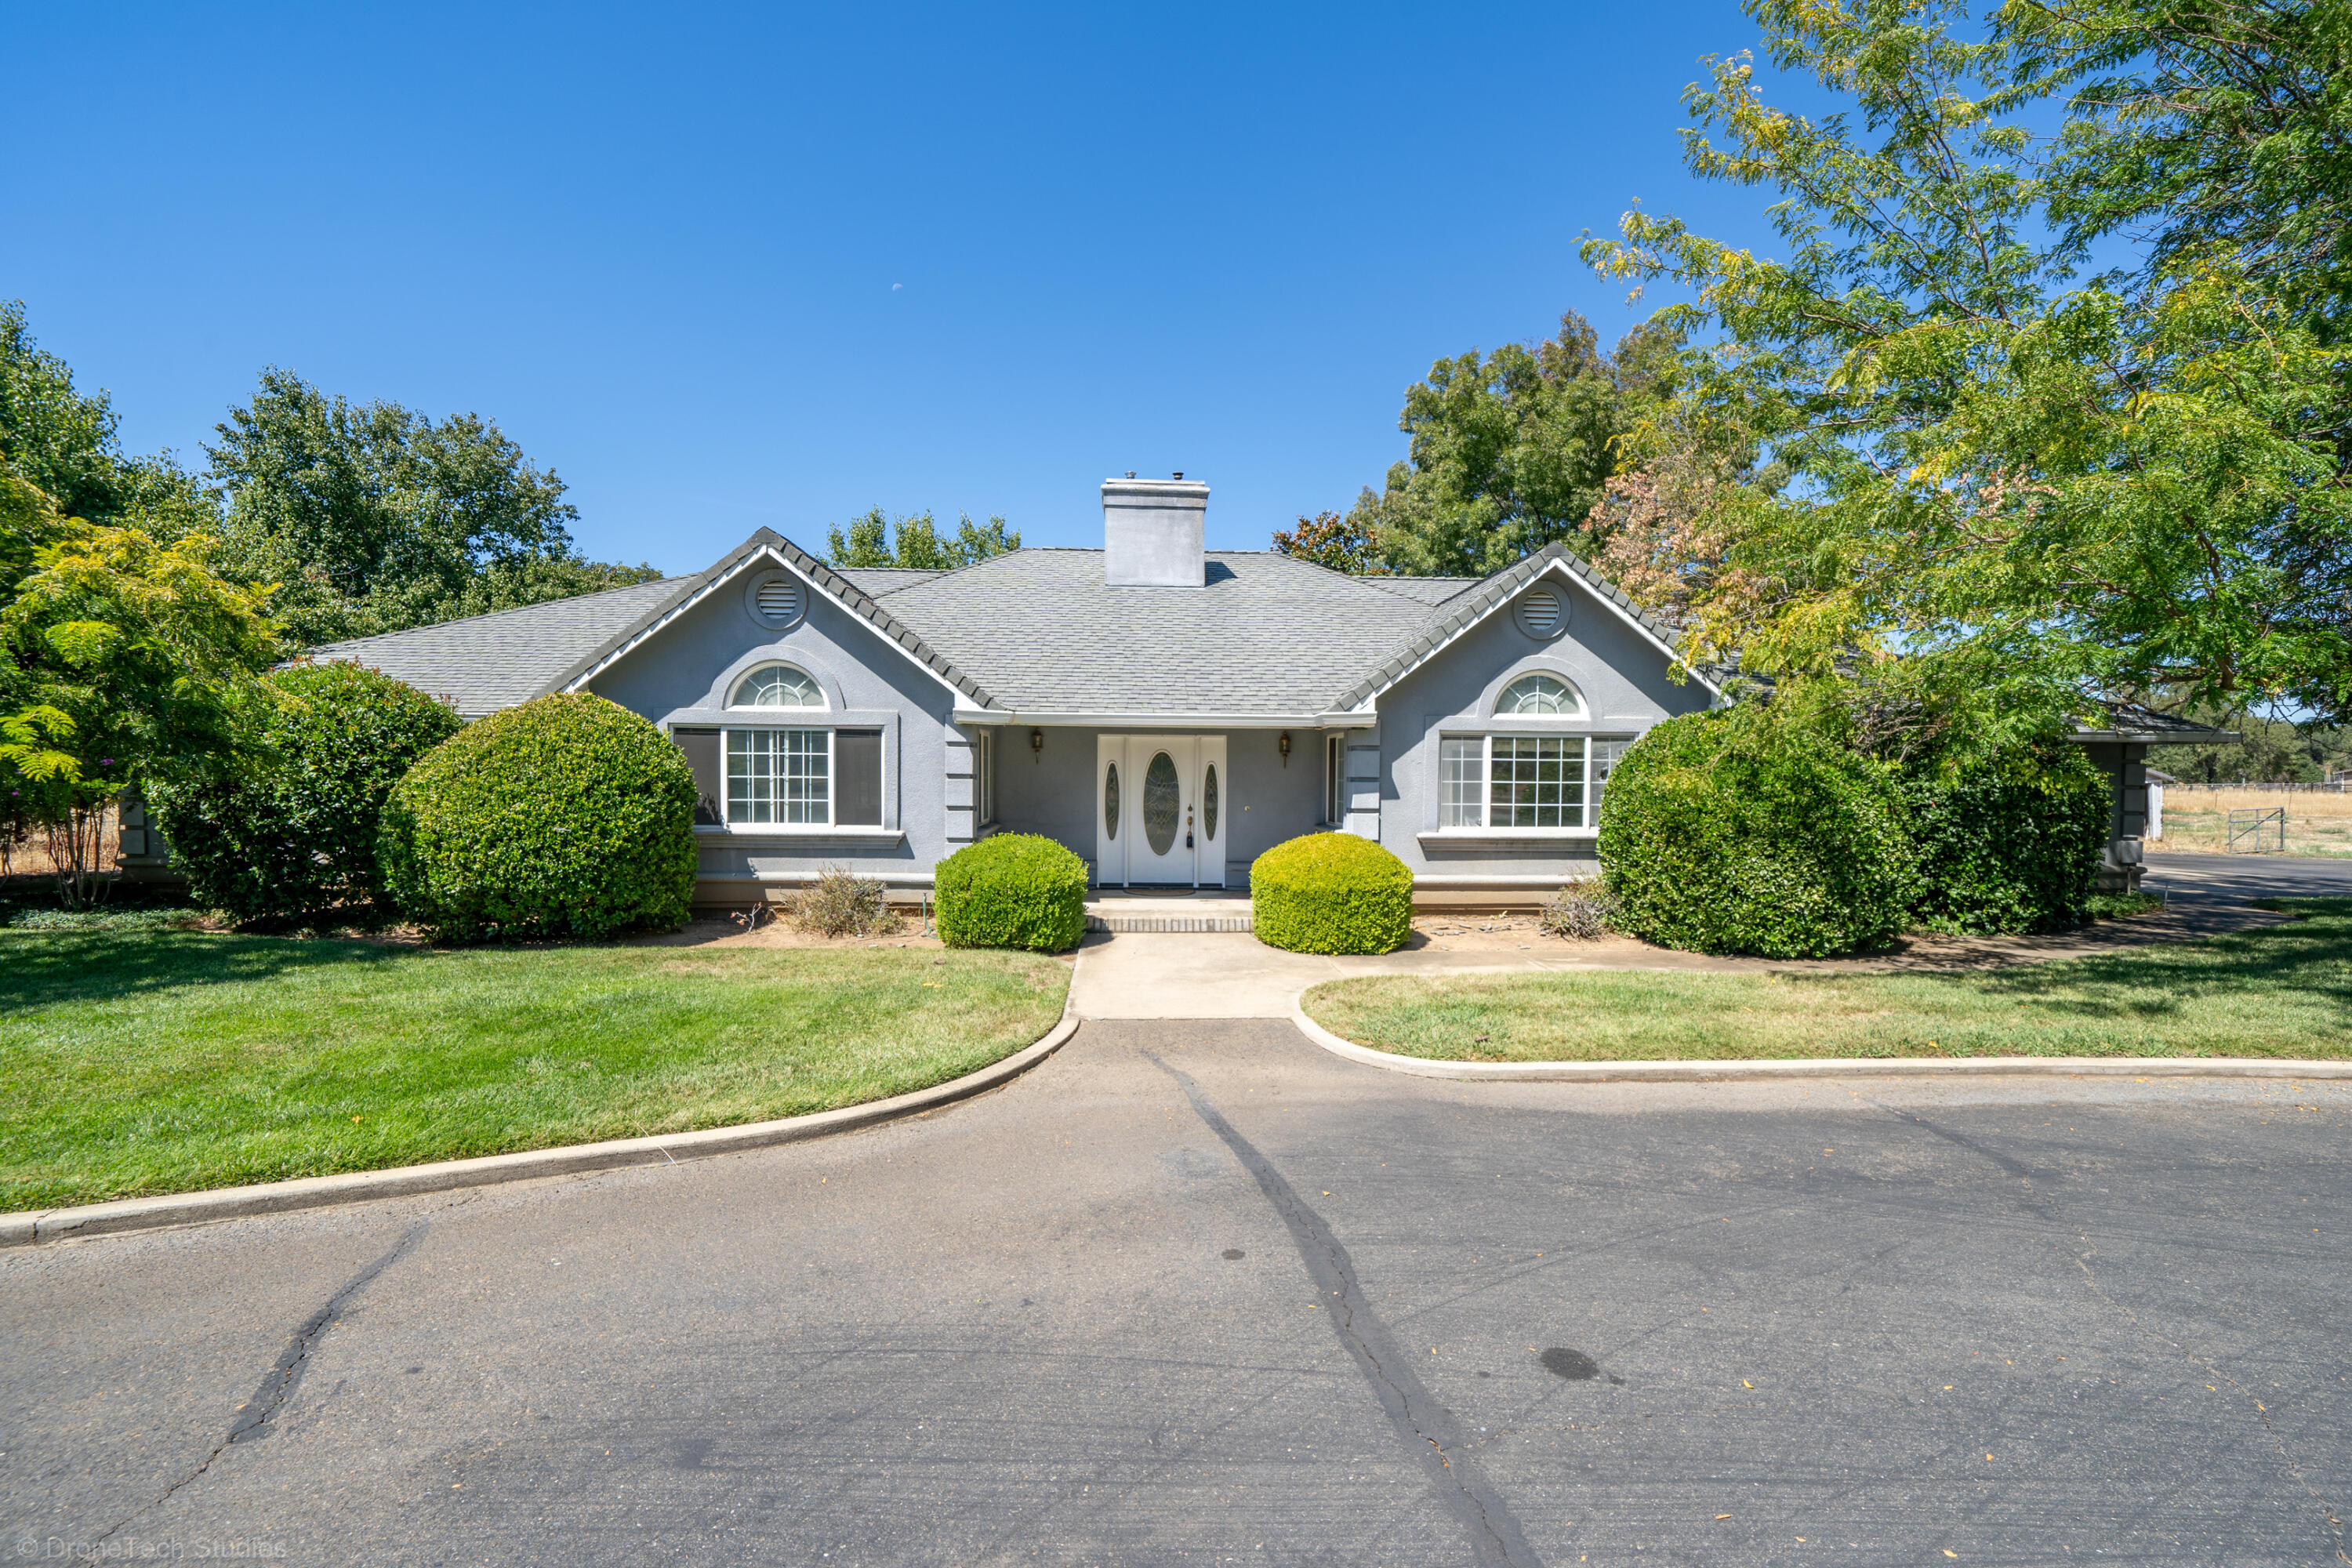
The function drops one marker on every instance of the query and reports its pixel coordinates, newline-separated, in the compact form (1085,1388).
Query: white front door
(1163,806)
(1161,849)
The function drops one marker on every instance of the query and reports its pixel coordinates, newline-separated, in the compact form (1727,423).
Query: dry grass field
(2318,822)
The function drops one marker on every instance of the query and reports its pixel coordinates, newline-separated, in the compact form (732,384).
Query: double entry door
(1161,807)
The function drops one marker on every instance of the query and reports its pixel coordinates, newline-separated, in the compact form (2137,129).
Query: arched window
(777,685)
(1541,695)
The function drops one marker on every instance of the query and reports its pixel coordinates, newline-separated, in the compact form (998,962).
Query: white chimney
(1152,533)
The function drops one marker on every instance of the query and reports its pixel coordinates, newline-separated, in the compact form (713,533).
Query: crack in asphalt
(1425,1426)
(278,1384)
(2048,1207)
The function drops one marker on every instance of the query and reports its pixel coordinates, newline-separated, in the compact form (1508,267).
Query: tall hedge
(1015,889)
(288,827)
(2009,836)
(1743,830)
(1331,892)
(566,816)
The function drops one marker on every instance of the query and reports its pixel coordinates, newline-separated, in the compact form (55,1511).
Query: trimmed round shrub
(1740,831)
(1331,892)
(566,816)
(287,828)
(1015,889)
(2011,841)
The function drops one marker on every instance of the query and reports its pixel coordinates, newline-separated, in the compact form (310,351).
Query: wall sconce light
(1283,745)
(1036,745)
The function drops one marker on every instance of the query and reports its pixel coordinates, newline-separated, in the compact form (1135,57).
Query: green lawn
(2282,992)
(154,1062)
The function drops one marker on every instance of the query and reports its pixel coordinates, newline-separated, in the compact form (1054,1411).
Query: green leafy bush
(1015,889)
(566,816)
(1748,830)
(1331,892)
(287,827)
(2008,837)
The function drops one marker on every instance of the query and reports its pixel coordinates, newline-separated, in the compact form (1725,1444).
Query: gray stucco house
(1167,712)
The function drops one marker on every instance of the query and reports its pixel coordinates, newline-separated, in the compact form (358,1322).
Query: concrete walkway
(1232,975)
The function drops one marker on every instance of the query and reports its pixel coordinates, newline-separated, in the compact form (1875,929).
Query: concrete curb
(1818,1066)
(40,1225)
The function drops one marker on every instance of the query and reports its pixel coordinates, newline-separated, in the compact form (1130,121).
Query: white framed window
(1528,784)
(779,776)
(1545,695)
(777,685)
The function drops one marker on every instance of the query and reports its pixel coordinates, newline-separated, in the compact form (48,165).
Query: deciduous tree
(2126,483)
(373,518)
(919,545)
(1510,451)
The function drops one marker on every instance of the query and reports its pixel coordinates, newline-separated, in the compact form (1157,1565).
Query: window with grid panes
(1529,782)
(779,776)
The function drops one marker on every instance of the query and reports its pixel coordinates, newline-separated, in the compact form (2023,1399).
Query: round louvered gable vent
(776,599)
(1541,614)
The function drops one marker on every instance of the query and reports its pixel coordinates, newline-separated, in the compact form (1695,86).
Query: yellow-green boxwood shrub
(1331,892)
(566,816)
(1741,830)
(1015,890)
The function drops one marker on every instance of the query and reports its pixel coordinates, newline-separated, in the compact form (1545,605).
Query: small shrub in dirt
(840,903)
(1579,910)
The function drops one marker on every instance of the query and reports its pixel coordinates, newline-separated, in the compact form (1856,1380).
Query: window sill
(778,835)
(1549,837)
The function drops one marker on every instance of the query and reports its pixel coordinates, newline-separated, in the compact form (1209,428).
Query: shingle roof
(880,581)
(1036,631)
(1267,634)
(1428,590)
(2137,722)
(498,660)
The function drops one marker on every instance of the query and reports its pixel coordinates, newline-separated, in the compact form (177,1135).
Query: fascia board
(1086,720)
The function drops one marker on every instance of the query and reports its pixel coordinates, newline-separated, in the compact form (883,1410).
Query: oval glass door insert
(1110,802)
(1209,802)
(1161,803)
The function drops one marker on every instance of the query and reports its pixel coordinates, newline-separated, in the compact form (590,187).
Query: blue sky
(722,266)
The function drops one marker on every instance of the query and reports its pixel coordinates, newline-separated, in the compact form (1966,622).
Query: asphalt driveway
(1204,1293)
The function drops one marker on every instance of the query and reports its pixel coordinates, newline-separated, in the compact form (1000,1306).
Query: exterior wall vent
(775,599)
(1541,614)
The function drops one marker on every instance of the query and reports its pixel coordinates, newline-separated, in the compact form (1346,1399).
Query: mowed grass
(2282,992)
(135,1062)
